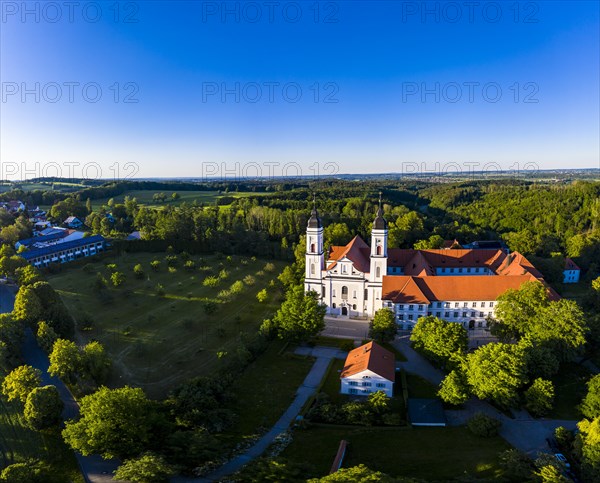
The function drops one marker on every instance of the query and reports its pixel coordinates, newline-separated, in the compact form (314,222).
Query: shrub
(539,397)
(211,281)
(172,270)
(171,260)
(249,280)
(269,267)
(112,267)
(117,279)
(190,265)
(483,425)
(262,296)
(236,288)
(223,274)
(138,271)
(155,265)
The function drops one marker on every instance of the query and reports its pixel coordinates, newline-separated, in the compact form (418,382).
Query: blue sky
(229,89)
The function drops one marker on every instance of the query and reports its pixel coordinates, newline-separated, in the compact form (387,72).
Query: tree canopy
(383,327)
(114,423)
(300,316)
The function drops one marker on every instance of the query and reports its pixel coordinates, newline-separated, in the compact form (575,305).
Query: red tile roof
(424,290)
(571,265)
(370,357)
(357,251)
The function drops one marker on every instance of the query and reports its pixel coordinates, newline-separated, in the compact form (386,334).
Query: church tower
(379,241)
(315,256)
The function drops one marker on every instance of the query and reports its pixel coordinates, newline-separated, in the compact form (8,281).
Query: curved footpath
(323,356)
(94,468)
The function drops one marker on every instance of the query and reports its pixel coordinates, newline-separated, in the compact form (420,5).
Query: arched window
(379,250)
(313,248)
(378,272)
(344,292)
(312,268)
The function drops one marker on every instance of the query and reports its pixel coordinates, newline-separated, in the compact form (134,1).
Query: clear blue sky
(414,87)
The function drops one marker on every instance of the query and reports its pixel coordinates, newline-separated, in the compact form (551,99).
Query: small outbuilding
(368,368)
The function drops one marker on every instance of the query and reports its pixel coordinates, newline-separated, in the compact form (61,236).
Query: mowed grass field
(145,197)
(433,454)
(159,338)
(18,443)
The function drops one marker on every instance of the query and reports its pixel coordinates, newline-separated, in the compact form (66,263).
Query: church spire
(380,222)
(314,220)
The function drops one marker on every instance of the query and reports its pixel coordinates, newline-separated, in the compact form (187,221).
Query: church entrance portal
(344,310)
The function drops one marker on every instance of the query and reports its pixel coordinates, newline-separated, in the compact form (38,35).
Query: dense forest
(547,220)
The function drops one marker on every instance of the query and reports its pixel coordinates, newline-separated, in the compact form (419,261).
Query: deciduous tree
(20,382)
(43,408)
(113,423)
(539,397)
(383,327)
(65,359)
(148,468)
(300,316)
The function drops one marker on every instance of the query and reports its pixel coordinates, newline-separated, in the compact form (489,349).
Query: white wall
(365,383)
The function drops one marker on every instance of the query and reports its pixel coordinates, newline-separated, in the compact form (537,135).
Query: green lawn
(331,385)
(420,388)
(433,454)
(570,388)
(266,389)
(19,443)
(157,341)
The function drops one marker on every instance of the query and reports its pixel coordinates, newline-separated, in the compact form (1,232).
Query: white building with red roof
(459,285)
(571,272)
(368,369)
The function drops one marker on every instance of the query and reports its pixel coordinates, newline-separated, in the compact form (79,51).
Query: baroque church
(458,285)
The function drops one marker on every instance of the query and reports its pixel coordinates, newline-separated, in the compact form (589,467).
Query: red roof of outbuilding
(370,357)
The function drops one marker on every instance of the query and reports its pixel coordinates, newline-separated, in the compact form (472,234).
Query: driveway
(94,468)
(523,432)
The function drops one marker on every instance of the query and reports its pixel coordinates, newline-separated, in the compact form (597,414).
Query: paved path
(94,468)
(323,356)
(523,432)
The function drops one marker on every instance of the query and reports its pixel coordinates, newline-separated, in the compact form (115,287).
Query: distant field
(61,186)
(433,454)
(157,341)
(145,197)
(19,443)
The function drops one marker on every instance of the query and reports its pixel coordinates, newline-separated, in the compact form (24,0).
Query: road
(345,328)
(94,468)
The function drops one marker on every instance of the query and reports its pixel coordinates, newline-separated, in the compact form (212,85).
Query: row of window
(345,293)
(448,315)
(366,384)
(439,305)
(463,270)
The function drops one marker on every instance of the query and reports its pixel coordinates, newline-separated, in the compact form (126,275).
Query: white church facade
(459,285)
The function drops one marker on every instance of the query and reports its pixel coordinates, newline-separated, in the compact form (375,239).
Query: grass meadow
(156,328)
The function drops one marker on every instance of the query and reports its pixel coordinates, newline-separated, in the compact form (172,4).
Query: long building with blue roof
(65,252)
